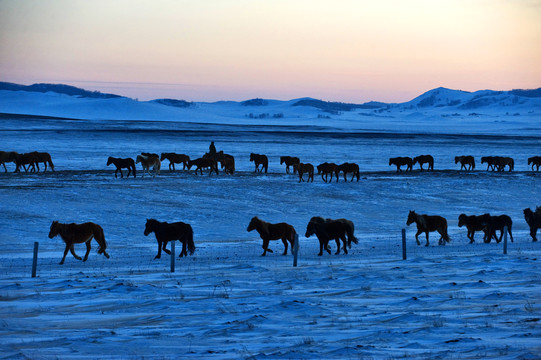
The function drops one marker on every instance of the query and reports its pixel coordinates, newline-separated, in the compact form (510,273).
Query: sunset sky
(336,50)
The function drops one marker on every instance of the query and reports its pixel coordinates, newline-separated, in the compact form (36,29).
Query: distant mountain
(334,107)
(173,102)
(58,88)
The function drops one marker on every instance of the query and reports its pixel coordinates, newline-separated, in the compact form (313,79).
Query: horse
(203,163)
(78,234)
(423,159)
(534,160)
(498,223)
(175,159)
(268,231)
(11,156)
(503,161)
(226,161)
(25,159)
(328,230)
(429,223)
(533,219)
(350,228)
(473,223)
(259,159)
(325,169)
(166,232)
(348,168)
(149,161)
(467,162)
(120,164)
(491,162)
(289,161)
(43,157)
(400,161)
(307,168)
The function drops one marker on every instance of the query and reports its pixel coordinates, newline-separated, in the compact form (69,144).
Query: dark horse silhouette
(535,161)
(473,223)
(424,159)
(533,219)
(491,162)
(78,234)
(429,223)
(289,161)
(503,161)
(400,161)
(259,159)
(43,157)
(498,223)
(166,232)
(226,161)
(127,163)
(25,159)
(11,156)
(467,162)
(268,231)
(349,229)
(175,159)
(326,231)
(325,169)
(348,168)
(305,168)
(204,163)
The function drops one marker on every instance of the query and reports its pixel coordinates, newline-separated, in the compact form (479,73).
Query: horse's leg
(426,232)
(510,235)
(6,170)
(345,244)
(470,236)
(88,246)
(183,251)
(284,240)
(321,248)
(65,253)
(533,233)
(72,250)
(419,232)
(159,255)
(265,247)
(337,246)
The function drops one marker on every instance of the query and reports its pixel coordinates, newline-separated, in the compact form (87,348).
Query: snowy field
(228,302)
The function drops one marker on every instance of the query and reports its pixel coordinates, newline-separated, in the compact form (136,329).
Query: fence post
(173,256)
(404,244)
(295,250)
(505,240)
(35,259)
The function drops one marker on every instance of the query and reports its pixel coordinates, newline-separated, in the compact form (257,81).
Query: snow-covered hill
(438,110)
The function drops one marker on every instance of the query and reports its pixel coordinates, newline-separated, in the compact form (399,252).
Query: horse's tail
(189,240)
(100,238)
(50,161)
(350,229)
(444,234)
(132,163)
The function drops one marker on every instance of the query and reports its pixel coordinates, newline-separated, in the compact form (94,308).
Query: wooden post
(295,250)
(505,240)
(35,259)
(404,244)
(173,256)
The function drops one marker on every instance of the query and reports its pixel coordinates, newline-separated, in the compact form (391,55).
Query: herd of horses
(326,230)
(209,161)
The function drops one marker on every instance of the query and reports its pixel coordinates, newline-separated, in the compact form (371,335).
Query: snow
(228,302)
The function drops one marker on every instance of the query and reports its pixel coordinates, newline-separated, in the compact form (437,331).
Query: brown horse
(175,159)
(302,169)
(11,156)
(533,219)
(166,232)
(120,164)
(203,163)
(424,159)
(259,159)
(149,161)
(401,161)
(503,161)
(467,162)
(25,159)
(349,227)
(77,234)
(348,168)
(473,223)
(498,223)
(325,169)
(289,161)
(429,223)
(326,231)
(491,162)
(535,161)
(268,231)
(226,161)
(43,157)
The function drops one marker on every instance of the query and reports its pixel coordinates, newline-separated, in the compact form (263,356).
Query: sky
(210,50)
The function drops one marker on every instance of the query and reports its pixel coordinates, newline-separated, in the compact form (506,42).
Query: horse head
(54,230)
(310,229)
(461,220)
(412,216)
(149,226)
(253,224)
(252,157)
(457,159)
(109,161)
(163,156)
